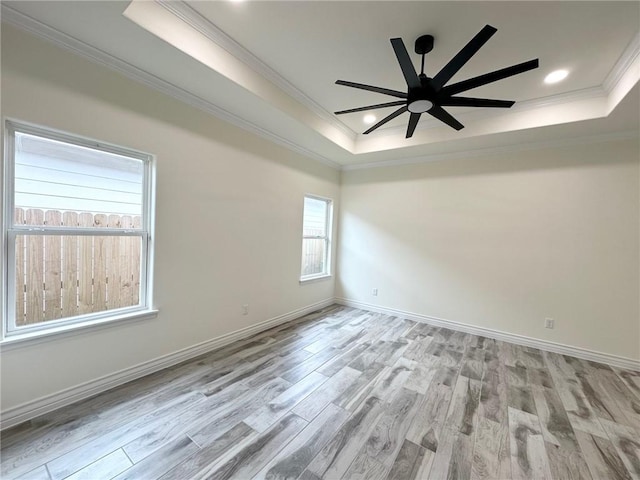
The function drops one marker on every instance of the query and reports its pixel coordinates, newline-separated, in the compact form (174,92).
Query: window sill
(33,338)
(315,278)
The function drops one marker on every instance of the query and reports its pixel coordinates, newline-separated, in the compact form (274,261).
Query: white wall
(503,242)
(228,226)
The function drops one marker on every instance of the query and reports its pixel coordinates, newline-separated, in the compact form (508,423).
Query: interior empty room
(320,240)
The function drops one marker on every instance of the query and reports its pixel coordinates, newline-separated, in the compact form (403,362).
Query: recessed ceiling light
(556,76)
(369,119)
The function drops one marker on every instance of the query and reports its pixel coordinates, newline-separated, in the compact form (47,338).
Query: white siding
(54,176)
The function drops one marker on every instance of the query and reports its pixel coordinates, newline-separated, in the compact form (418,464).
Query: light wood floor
(345,393)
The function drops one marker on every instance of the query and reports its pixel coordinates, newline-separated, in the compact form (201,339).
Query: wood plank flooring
(344,393)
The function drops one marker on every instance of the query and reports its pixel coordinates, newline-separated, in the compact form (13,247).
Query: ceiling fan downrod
(423,45)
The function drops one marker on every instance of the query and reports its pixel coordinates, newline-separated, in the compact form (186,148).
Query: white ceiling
(271,67)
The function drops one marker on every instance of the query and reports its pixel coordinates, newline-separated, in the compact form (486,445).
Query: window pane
(52,175)
(315,217)
(61,276)
(313,256)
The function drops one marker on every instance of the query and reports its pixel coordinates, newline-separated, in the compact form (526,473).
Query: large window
(316,237)
(77,231)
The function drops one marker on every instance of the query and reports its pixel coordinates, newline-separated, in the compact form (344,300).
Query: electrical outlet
(548,323)
(245,309)
(374,292)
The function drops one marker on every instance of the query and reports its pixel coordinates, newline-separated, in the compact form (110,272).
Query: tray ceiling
(271,66)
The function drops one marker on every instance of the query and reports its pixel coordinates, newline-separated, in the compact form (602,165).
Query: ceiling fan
(429,95)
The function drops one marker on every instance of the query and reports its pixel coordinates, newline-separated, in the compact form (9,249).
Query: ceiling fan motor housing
(420,100)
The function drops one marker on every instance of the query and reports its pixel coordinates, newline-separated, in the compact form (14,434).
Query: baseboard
(26,411)
(554,347)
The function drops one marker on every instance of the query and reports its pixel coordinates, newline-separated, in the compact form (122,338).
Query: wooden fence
(312,256)
(59,276)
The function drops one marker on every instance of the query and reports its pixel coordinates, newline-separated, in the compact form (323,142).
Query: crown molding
(82,49)
(195,20)
(502,150)
(623,64)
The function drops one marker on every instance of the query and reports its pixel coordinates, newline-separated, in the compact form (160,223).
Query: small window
(316,237)
(77,216)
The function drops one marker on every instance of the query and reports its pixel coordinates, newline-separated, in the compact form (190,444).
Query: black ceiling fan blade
(490,77)
(463,56)
(413,123)
(475,102)
(409,72)
(372,107)
(371,88)
(387,119)
(444,116)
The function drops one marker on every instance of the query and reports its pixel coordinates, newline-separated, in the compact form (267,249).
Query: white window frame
(327,240)
(10,332)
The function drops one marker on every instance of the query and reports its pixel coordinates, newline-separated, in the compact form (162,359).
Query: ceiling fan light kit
(429,95)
